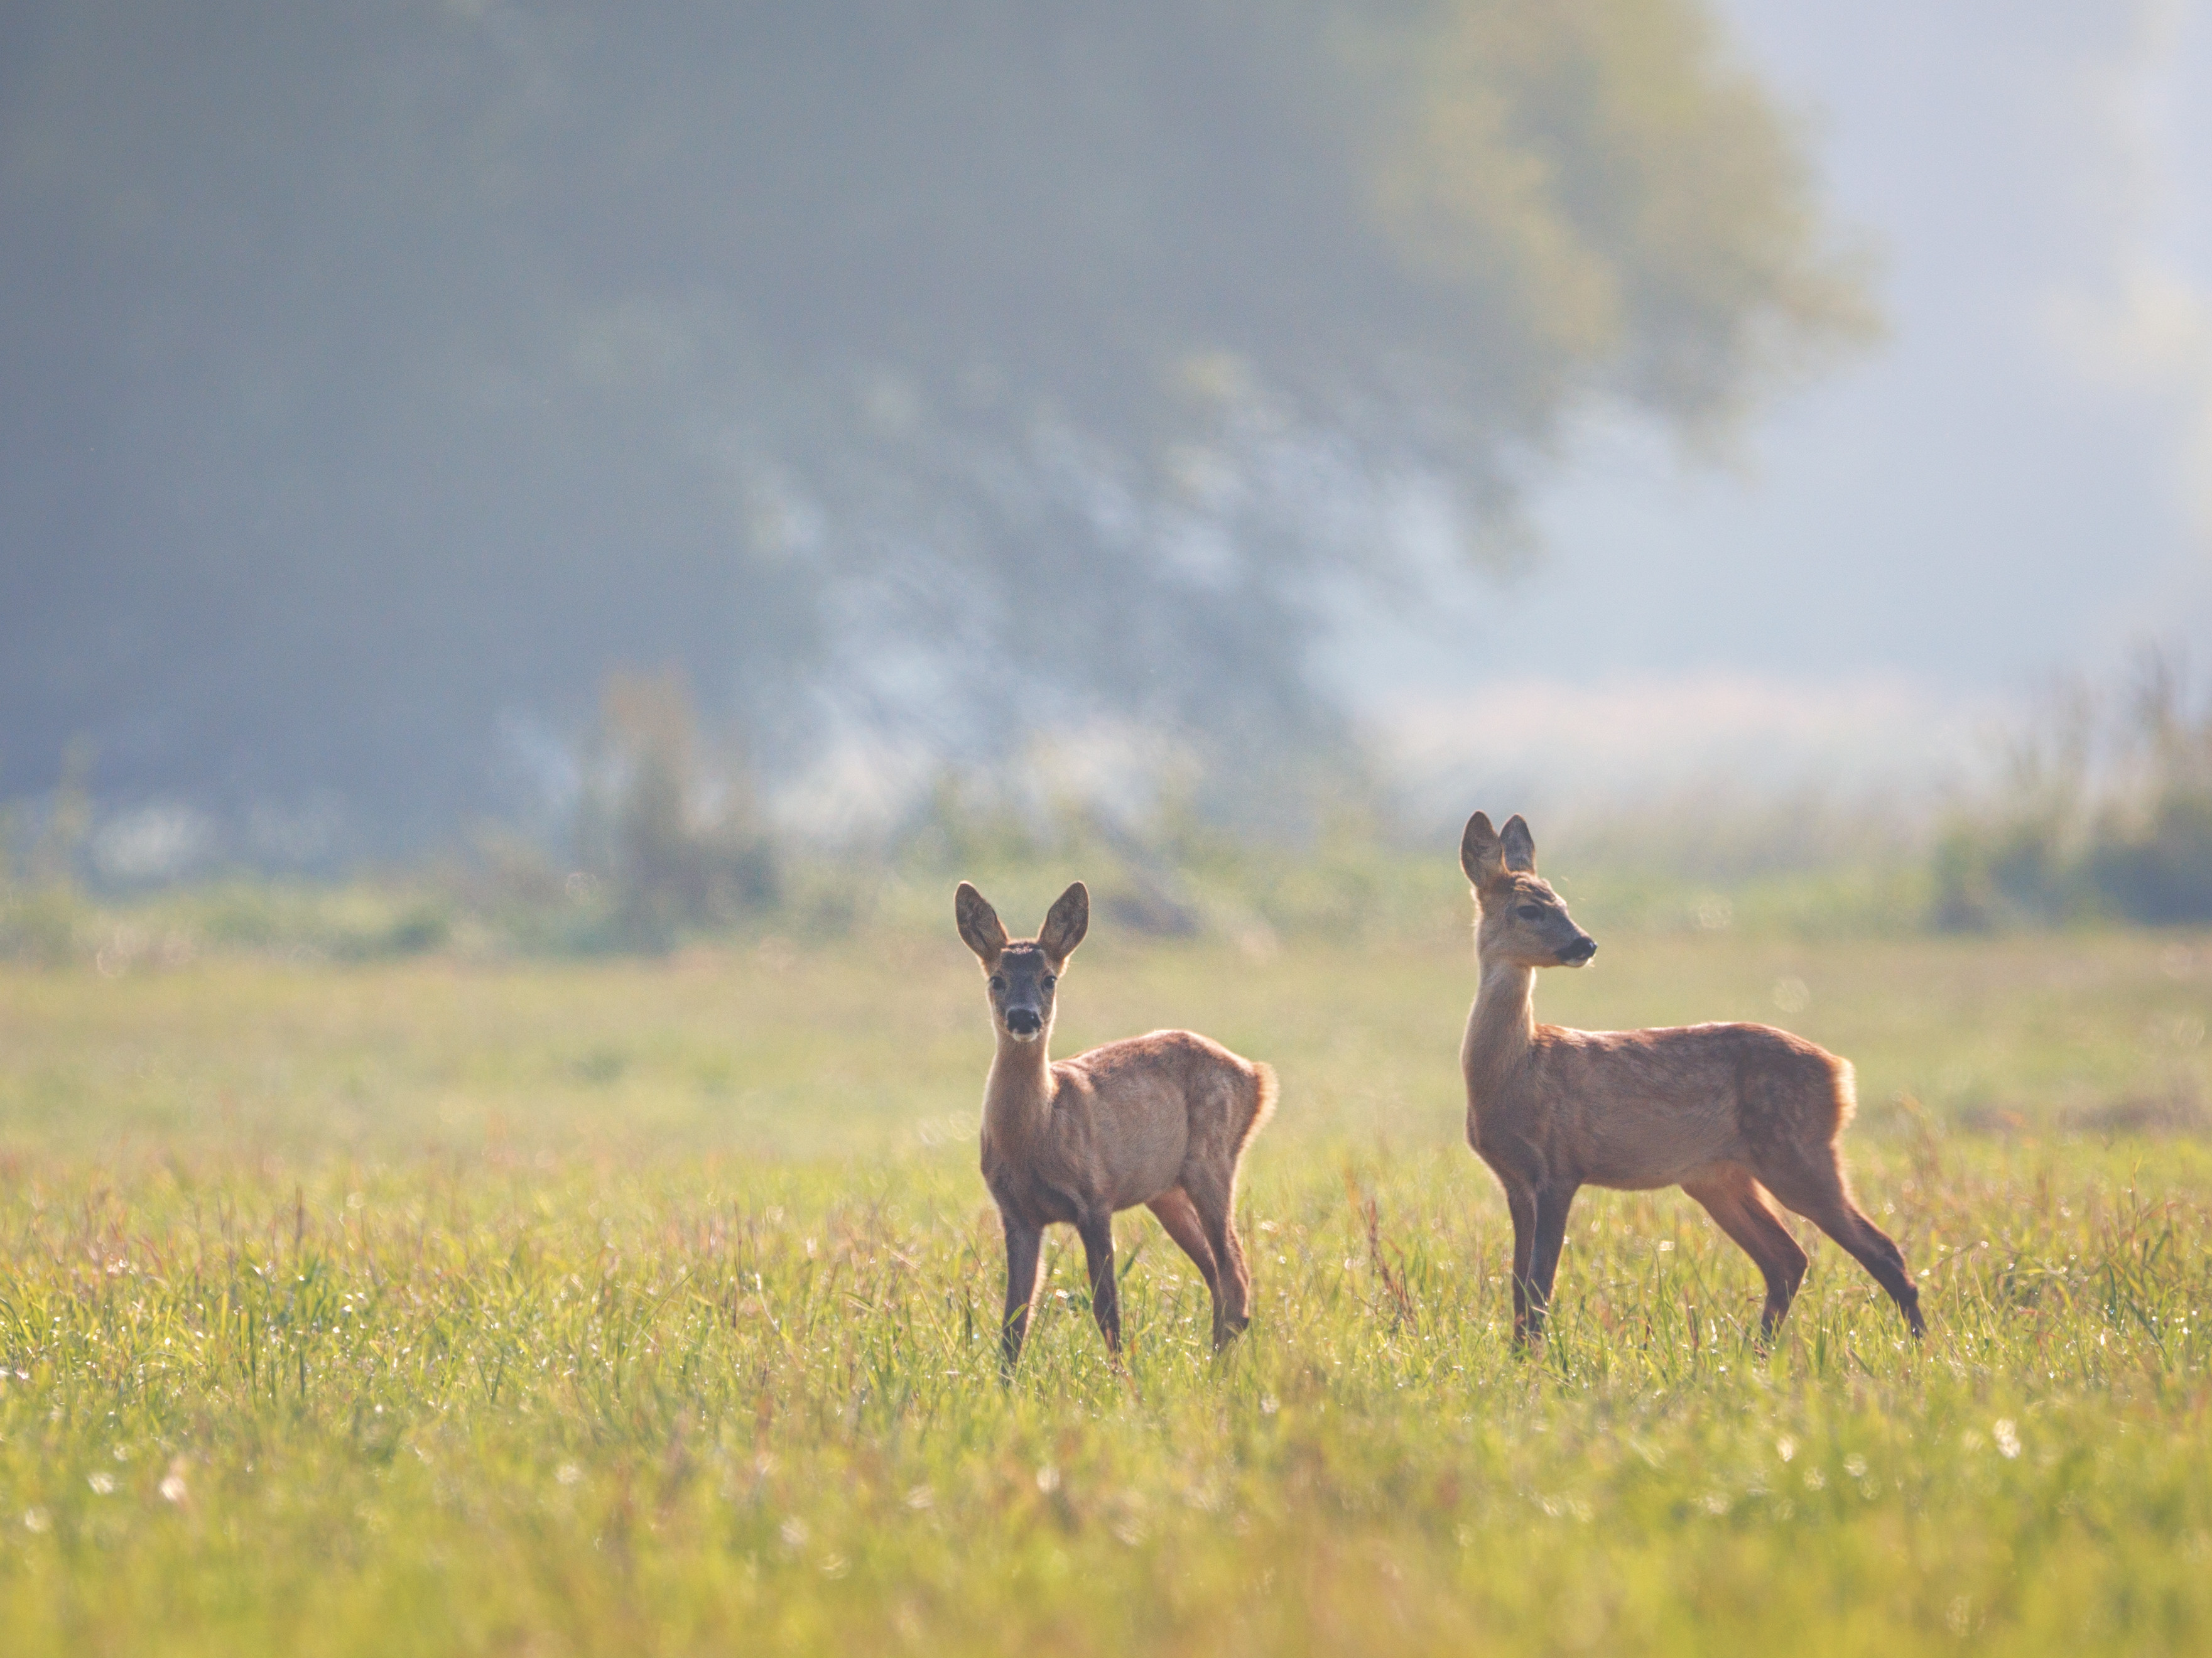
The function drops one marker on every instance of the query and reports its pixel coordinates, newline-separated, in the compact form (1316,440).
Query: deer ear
(1069,919)
(1520,845)
(980,929)
(1479,855)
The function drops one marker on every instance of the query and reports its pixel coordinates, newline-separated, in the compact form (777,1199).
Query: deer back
(1635,1109)
(1129,1117)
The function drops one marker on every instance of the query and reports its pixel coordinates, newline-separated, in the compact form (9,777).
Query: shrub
(2103,812)
(670,831)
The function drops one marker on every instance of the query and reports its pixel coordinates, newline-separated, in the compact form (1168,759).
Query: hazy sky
(2017,481)
(2021,476)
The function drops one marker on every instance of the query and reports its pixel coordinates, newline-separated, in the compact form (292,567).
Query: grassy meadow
(438,1306)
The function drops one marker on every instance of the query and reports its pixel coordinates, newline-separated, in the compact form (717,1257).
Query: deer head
(1523,921)
(1021,975)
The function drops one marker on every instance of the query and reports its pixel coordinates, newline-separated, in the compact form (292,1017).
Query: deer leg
(1551,1208)
(1878,1253)
(1739,1208)
(1181,1220)
(1789,1253)
(1024,1256)
(1212,1199)
(1097,1234)
(1819,1193)
(1521,1203)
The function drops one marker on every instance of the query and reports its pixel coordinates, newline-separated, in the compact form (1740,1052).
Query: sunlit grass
(586,1309)
(875,1050)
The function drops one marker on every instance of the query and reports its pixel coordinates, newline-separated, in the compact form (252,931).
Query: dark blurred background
(415,411)
(381,376)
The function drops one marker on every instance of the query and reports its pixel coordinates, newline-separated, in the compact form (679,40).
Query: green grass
(592,1308)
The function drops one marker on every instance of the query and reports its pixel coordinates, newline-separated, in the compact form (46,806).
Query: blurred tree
(381,376)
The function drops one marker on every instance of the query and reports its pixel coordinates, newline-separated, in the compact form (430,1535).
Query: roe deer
(1160,1120)
(1730,1112)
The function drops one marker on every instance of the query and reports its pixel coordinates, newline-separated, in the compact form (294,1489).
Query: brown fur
(1161,1119)
(1735,1115)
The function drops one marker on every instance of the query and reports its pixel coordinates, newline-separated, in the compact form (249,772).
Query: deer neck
(1017,1094)
(1501,1025)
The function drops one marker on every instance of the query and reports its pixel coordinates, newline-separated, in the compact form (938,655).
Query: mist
(921,386)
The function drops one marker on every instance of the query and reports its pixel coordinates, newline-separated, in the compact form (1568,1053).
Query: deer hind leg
(1212,1197)
(1738,1204)
(1176,1214)
(1815,1189)
(1024,1258)
(1097,1234)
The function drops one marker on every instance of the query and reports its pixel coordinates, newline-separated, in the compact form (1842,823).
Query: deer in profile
(1161,1119)
(1735,1115)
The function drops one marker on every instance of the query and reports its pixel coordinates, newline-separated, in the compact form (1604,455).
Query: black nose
(1023,1021)
(1579,951)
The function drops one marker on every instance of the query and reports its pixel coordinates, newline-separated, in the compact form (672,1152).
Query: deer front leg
(1552,1206)
(1097,1234)
(1521,1203)
(1024,1246)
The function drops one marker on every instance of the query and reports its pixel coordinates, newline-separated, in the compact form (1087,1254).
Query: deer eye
(1531,911)
(1050,979)
(998,982)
